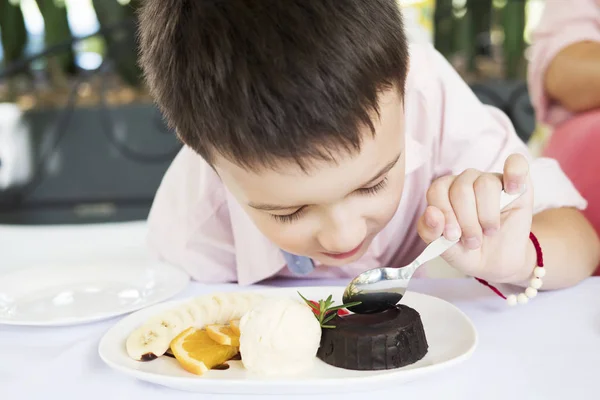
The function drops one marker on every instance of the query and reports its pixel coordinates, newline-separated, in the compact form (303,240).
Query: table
(520,353)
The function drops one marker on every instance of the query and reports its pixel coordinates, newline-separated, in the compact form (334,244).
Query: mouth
(348,254)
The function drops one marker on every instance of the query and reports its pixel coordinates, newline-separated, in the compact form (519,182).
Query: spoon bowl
(378,289)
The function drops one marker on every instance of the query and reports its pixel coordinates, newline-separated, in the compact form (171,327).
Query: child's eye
(374,189)
(293,217)
(290,217)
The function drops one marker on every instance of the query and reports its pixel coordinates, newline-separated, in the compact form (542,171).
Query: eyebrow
(275,207)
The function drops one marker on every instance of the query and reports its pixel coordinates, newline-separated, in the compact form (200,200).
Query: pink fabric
(576,144)
(195,222)
(563,22)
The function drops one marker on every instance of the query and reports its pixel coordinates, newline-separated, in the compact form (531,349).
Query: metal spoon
(381,288)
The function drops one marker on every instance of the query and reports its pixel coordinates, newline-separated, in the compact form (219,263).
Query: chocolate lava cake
(390,339)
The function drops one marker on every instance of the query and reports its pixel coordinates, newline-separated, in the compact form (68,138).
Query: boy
(318,144)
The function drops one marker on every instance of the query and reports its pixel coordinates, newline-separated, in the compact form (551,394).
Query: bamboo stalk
(56,30)
(14,41)
(513,22)
(122,46)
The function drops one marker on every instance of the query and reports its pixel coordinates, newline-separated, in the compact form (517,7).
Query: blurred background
(81,141)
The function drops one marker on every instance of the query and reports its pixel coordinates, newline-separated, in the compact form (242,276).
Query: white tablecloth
(521,354)
(548,349)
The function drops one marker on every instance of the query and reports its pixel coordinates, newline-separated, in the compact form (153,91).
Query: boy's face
(332,212)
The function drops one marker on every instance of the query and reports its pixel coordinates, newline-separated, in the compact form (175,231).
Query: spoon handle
(440,245)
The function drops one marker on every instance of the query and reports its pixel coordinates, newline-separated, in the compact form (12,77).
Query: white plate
(451,336)
(76,293)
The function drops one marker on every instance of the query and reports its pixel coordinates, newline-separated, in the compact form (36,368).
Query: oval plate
(451,336)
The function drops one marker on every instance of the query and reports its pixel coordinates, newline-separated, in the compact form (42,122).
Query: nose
(341,232)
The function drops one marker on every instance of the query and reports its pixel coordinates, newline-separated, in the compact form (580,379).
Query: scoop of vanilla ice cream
(279,336)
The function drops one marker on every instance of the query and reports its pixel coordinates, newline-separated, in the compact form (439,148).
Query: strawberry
(341,312)
(316,304)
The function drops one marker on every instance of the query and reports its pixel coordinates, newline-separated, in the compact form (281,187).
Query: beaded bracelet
(534,284)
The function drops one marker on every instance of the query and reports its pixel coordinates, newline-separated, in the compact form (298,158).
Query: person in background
(564,83)
(318,143)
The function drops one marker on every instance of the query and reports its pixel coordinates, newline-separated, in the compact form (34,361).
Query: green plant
(14,33)
(56,31)
(117,40)
(121,42)
(444,25)
(513,21)
(14,37)
(325,311)
(458,24)
(480,13)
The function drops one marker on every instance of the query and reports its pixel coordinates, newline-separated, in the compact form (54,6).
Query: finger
(462,198)
(516,172)
(487,189)
(431,224)
(437,196)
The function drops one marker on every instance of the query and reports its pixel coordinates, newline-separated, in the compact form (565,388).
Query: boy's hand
(493,245)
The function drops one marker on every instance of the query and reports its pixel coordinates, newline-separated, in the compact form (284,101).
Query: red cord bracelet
(535,283)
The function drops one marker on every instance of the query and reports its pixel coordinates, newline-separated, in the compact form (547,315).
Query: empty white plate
(75,293)
(451,336)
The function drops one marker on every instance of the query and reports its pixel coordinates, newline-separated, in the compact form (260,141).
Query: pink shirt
(563,22)
(197,224)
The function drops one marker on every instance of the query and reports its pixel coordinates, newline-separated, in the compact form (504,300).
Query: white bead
(530,292)
(511,300)
(536,283)
(539,272)
(522,299)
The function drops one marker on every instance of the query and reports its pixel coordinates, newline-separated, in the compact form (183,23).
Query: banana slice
(235,305)
(210,307)
(228,306)
(153,338)
(196,312)
(147,342)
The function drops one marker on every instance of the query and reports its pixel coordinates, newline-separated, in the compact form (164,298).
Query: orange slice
(197,352)
(235,326)
(223,334)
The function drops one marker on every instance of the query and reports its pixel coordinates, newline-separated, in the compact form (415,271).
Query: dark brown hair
(257,81)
